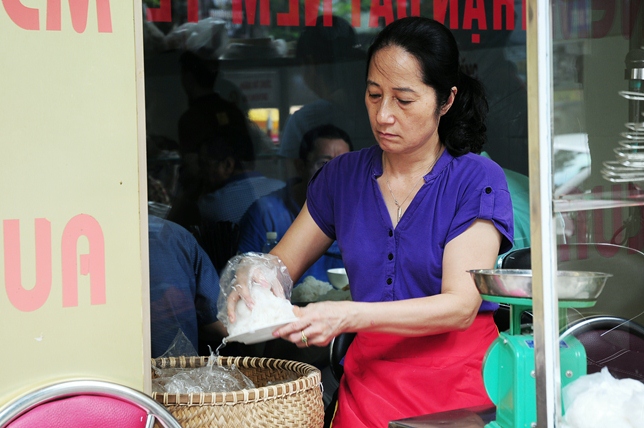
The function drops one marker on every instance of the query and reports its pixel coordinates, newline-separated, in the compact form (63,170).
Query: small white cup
(338,278)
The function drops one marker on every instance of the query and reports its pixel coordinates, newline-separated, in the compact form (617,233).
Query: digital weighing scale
(509,367)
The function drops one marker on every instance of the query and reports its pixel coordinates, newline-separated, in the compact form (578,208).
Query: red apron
(388,377)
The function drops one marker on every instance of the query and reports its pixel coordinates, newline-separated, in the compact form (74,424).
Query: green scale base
(509,367)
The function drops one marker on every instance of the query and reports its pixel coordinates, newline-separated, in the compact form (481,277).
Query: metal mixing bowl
(570,285)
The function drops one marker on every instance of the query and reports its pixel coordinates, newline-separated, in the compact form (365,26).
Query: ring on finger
(305,340)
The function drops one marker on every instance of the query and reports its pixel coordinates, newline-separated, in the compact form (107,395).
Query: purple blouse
(383,263)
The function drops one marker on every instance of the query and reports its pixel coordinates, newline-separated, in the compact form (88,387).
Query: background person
(230,183)
(333,68)
(208,116)
(184,288)
(412,215)
(276,212)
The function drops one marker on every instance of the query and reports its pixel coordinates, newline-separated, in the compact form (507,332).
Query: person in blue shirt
(229,182)
(184,287)
(276,211)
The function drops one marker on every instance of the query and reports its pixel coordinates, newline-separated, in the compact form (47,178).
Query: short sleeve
(319,200)
(486,198)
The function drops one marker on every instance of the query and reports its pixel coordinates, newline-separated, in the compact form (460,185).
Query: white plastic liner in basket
(197,380)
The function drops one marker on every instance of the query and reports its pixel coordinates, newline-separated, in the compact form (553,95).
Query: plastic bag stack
(599,400)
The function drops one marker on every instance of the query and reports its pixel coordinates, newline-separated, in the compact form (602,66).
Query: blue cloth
(184,285)
(231,201)
(275,213)
(383,263)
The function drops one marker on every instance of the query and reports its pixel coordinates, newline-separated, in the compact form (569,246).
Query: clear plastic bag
(599,400)
(197,380)
(180,347)
(207,38)
(270,287)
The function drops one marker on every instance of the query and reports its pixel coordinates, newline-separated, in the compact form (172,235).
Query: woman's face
(402,109)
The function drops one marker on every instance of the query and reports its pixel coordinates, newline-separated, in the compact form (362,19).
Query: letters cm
(28,18)
(92,264)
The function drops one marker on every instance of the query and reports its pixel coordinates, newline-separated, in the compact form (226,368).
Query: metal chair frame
(337,349)
(155,410)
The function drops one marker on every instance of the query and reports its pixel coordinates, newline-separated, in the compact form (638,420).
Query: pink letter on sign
(53,15)
(21,15)
(20,298)
(92,264)
(80,9)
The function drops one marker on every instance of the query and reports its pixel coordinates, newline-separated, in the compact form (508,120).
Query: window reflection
(287,79)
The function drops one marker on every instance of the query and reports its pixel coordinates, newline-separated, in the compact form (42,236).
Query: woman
(411,215)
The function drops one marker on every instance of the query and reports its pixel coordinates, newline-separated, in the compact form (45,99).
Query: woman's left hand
(317,324)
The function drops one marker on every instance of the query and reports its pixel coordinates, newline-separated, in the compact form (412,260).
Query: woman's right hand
(318,323)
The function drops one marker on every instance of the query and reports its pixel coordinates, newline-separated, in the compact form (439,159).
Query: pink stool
(86,404)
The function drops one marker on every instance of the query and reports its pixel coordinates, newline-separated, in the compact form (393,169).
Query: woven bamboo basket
(287,394)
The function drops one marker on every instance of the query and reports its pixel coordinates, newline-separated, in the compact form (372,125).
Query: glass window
(251,78)
(598,64)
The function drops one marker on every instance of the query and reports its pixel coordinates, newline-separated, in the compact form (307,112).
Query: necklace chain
(399,205)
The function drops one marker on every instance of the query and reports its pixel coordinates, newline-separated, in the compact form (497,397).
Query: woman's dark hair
(327,131)
(462,128)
